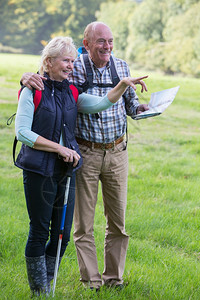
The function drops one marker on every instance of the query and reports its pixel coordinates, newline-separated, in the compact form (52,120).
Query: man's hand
(141,108)
(32,80)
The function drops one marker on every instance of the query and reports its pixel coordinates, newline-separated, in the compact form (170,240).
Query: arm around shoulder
(33,80)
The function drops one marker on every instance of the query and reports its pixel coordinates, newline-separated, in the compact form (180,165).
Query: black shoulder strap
(89,76)
(14,148)
(115,77)
(89,73)
(88,68)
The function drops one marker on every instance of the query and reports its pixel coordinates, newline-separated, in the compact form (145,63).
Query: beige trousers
(111,168)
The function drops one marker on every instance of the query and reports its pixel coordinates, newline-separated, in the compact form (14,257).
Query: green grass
(163,208)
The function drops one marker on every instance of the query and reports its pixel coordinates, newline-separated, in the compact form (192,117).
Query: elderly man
(102,141)
(103,147)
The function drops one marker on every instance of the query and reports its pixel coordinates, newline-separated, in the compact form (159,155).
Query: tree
(26,24)
(77,16)
(145,41)
(182,36)
(29,23)
(116,16)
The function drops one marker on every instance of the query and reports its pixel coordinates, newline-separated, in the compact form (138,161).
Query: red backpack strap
(37,95)
(19,92)
(74,92)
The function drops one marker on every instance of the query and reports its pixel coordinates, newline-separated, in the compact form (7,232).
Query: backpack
(89,73)
(89,77)
(37,96)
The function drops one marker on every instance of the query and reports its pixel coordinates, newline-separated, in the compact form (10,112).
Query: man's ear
(85,43)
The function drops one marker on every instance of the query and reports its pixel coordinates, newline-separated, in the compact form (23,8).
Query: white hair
(56,47)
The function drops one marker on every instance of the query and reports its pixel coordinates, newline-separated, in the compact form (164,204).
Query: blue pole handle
(63,217)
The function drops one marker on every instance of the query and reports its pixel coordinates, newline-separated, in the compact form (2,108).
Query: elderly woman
(46,130)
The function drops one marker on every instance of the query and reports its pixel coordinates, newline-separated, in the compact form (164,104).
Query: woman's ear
(49,61)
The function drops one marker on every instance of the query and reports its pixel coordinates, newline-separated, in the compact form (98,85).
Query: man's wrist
(136,111)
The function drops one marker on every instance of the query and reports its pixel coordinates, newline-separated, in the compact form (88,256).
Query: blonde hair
(90,28)
(56,47)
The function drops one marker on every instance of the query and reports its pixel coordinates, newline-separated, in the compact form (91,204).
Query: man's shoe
(114,284)
(95,289)
(118,286)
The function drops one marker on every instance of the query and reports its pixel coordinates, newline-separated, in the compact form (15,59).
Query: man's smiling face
(100,45)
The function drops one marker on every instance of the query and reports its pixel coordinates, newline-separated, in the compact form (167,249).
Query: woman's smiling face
(60,67)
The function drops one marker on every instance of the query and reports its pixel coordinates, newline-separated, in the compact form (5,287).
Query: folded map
(158,103)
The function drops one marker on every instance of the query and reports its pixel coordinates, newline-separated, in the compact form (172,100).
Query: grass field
(163,210)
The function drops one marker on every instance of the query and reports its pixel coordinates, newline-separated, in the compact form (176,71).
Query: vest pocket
(30,159)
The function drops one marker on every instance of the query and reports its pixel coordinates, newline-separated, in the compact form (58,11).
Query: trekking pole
(69,175)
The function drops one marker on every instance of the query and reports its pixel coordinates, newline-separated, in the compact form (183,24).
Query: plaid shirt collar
(95,67)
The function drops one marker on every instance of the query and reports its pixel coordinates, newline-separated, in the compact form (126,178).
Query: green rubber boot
(37,275)
(50,264)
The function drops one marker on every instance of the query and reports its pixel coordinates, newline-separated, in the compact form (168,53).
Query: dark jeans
(44,199)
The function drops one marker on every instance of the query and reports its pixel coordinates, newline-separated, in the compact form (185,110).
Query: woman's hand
(68,155)
(130,81)
(115,94)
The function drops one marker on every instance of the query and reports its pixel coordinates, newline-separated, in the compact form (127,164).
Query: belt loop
(103,147)
(113,146)
(92,148)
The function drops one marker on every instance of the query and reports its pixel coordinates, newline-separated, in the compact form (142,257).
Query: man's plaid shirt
(111,123)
